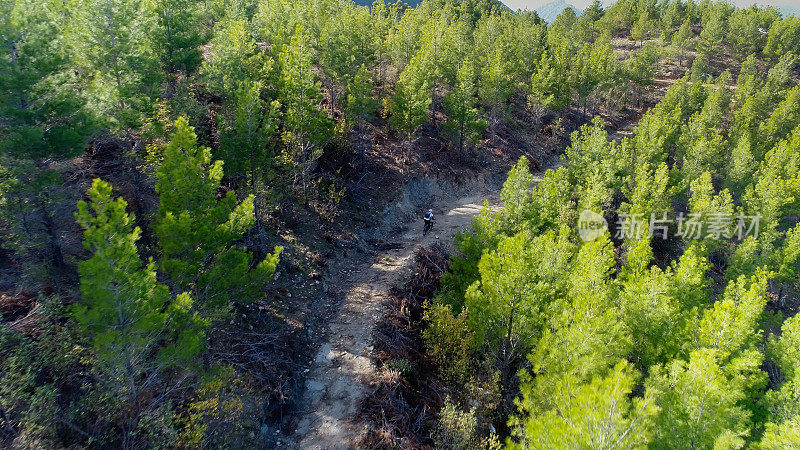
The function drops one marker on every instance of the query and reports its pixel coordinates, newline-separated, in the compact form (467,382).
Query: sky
(581,4)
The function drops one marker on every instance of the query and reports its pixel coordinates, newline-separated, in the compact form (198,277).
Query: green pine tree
(306,128)
(246,140)
(197,232)
(459,105)
(139,333)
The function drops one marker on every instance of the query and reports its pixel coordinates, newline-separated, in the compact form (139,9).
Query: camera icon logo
(591,225)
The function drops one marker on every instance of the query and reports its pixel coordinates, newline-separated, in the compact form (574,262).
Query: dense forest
(173,171)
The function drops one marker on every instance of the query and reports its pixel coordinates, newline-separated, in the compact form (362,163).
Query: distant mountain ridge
(551,10)
(787,11)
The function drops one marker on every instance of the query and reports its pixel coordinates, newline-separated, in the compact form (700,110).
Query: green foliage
(516,195)
(459,105)
(518,282)
(659,324)
(523,292)
(32,368)
(641,29)
(550,86)
(587,159)
(484,234)
(596,414)
(138,333)
(109,40)
(682,39)
(784,119)
(449,341)
(785,435)
(711,209)
(42,115)
(247,139)
(349,43)
(585,334)
(197,232)
(31,201)
(553,204)
(741,166)
(233,58)
(176,36)
(456,430)
(714,25)
(412,99)
(775,190)
(700,401)
(305,128)
(641,68)
(361,105)
(731,326)
(593,67)
(783,37)
(743,33)
(782,403)
(495,85)
(221,413)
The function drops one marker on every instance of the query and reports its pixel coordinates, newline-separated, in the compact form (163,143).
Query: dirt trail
(339,375)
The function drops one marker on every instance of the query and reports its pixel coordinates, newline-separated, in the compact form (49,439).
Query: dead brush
(402,408)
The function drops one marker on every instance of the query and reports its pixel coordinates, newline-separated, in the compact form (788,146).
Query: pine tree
(584,337)
(597,414)
(592,14)
(660,327)
(459,105)
(701,148)
(588,151)
(176,35)
(671,17)
(138,332)
(550,86)
(701,401)
(743,33)
(775,190)
(785,435)
(784,119)
(197,231)
(640,31)
(412,99)
(594,66)
(517,283)
(784,411)
(682,39)
(306,128)
(495,85)
(233,58)
(31,196)
(731,327)
(783,37)
(109,40)
(642,67)
(246,140)
(713,210)
(516,195)
(42,114)
(713,31)
(361,105)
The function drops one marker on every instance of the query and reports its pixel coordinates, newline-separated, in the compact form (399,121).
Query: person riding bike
(428,222)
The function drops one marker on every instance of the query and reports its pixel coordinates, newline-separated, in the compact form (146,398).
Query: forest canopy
(162,163)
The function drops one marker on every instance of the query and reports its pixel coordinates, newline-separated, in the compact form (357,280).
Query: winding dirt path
(339,375)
